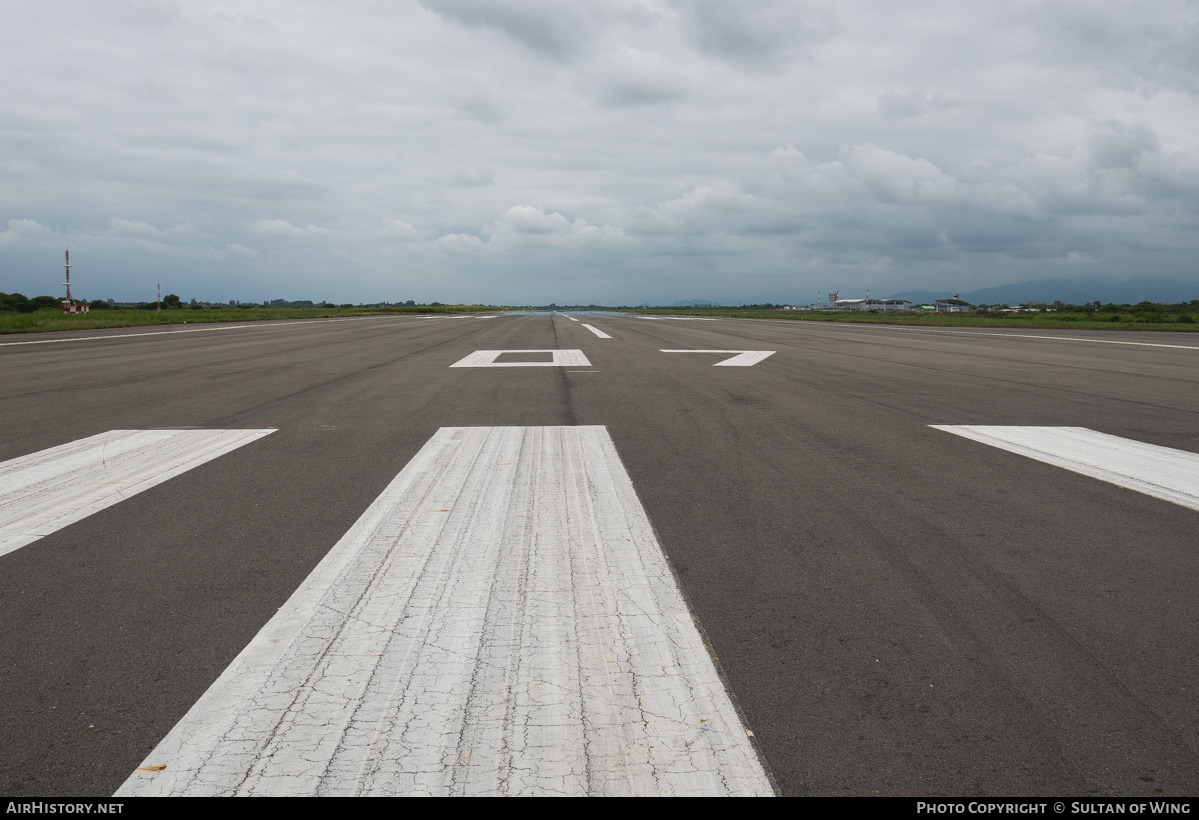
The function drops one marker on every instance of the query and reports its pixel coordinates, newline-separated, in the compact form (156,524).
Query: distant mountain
(1071,291)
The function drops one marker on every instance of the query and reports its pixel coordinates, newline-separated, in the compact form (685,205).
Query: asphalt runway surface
(894,609)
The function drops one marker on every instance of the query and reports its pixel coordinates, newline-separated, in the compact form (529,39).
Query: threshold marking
(745,358)
(487,358)
(500,621)
(1162,472)
(44,492)
(597,332)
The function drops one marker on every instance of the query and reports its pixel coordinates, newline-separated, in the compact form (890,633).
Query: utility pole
(158,302)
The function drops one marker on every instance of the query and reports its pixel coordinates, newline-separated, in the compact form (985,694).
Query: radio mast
(69,305)
(67,266)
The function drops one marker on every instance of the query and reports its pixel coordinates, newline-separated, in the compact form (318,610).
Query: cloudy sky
(627,151)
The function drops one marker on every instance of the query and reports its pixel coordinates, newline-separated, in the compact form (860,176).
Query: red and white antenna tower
(158,304)
(69,305)
(67,266)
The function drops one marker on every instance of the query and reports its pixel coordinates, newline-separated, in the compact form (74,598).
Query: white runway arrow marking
(560,358)
(745,358)
(597,332)
(1172,475)
(500,621)
(44,492)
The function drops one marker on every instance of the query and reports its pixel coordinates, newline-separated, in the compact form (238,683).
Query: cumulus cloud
(1121,145)
(904,105)
(471,177)
(185,232)
(399,229)
(1120,42)
(524,223)
(629,77)
(554,28)
(706,209)
(238,250)
(280,227)
(26,229)
(482,108)
(498,145)
(459,243)
(760,34)
(895,177)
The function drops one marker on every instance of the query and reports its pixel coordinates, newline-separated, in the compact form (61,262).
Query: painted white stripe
(1162,472)
(500,621)
(44,492)
(1092,341)
(985,333)
(573,319)
(264,325)
(745,358)
(597,332)
(560,358)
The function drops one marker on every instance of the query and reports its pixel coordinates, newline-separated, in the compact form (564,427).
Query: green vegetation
(21,315)
(1141,316)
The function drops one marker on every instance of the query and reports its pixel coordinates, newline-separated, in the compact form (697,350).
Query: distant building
(872,304)
(954,305)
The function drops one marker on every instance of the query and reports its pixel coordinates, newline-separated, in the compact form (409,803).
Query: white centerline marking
(573,319)
(560,358)
(1162,472)
(500,621)
(745,358)
(44,492)
(597,332)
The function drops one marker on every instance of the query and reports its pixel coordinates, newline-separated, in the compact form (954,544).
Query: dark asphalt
(896,610)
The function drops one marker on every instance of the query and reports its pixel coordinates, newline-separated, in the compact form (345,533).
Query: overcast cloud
(521,151)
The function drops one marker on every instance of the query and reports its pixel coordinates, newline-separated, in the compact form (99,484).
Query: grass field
(1046,321)
(49,320)
(52,320)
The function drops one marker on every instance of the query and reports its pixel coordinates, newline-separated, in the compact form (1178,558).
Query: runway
(817,559)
